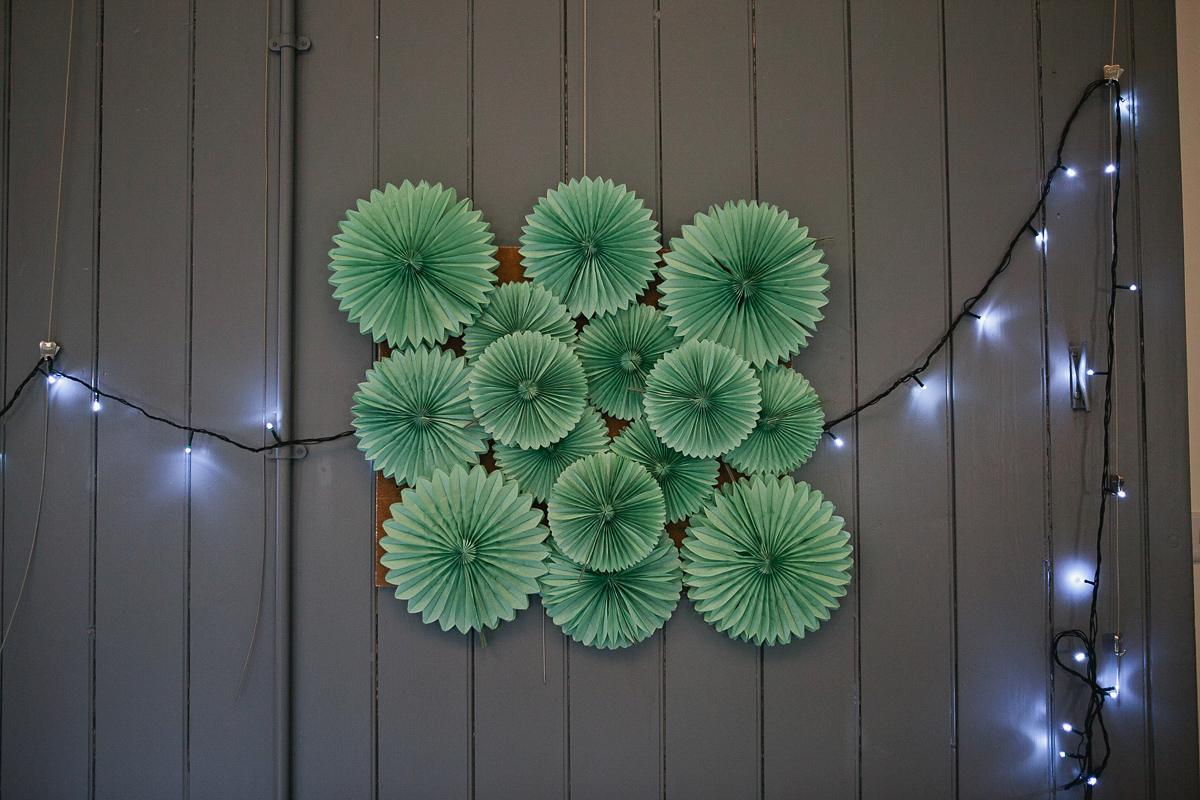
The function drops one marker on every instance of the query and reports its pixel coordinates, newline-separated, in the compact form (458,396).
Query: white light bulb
(1067,727)
(838,441)
(51,378)
(96,404)
(1039,238)
(1081,656)
(1113,692)
(1111,168)
(187,449)
(1062,753)
(1092,780)
(922,387)
(270,426)
(1071,173)
(1133,287)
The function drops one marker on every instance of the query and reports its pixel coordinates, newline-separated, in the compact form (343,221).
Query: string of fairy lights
(1090,745)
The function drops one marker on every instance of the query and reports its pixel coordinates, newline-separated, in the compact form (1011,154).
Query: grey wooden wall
(911,134)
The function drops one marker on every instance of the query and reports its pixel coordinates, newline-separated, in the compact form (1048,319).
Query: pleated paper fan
(702,399)
(528,389)
(413,264)
(746,276)
(686,482)
(515,307)
(618,351)
(591,243)
(766,560)
(413,415)
(788,427)
(606,512)
(611,610)
(536,469)
(465,549)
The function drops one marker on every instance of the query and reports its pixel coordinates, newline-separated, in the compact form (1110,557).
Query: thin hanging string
(62,158)
(585,172)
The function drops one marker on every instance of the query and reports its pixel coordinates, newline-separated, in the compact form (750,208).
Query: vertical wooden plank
(423,684)
(230,736)
(810,709)
(520,719)
(333,658)
(994,167)
(1172,656)
(712,698)
(1078,225)
(905,532)
(45,740)
(615,697)
(141,513)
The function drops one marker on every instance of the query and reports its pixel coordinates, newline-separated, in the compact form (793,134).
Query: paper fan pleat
(527,389)
(702,399)
(413,415)
(606,512)
(611,610)
(536,469)
(747,276)
(618,351)
(413,264)
(766,559)
(685,481)
(516,307)
(591,243)
(788,427)
(465,549)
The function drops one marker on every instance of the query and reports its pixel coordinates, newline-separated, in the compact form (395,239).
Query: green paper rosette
(536,469)
(702,399)
(465,549)
(686,482)
(528,389)
(413,264)
(606,512)
(788,427)
(515,307)
(746,276)
(766,560)
(413,415)
(618,351)
(591,243)
(611,610)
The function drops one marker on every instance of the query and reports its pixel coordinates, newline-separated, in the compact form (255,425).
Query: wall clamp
(298,43)
(290,452)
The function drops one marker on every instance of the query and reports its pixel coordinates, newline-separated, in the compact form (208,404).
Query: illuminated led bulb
(1091,780)
(1067,727)
(1071,173)
(1133,287)
(51,378)
(920,385)
(270,426)
(1081,656)
(187,449)
(837,440)
(1111,168)
(1091,371)
(1062,753)
(96,403)
(1040,237)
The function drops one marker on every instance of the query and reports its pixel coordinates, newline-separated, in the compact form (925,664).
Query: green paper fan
(606,512)
(618,351)
(766,559)
(748,277)
(702,399)
(528,389)
(613,609)
(413,264)
(515,307)
(686,482)
(591,243)
(465,549)
(788,427)
(412,415)
(536,469)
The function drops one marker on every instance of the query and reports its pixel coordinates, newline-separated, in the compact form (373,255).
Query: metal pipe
(284,355)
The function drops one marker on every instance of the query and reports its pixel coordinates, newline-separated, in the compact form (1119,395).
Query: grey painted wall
(911,134)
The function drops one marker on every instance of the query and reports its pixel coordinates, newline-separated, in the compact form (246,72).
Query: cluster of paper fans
(538,373)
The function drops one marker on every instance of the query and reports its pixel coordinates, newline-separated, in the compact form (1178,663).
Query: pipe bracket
(298,43)
(291,452)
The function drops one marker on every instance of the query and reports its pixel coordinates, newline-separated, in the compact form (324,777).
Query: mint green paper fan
(536,469)
(465,549)
(606,512)
(514,307)
(591,243)
(766,560)
(618,351)
(702,399)
(413,264)
(686,482)
(611,610)
(528,389)
(413,415)
(746,276)
(788,427)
